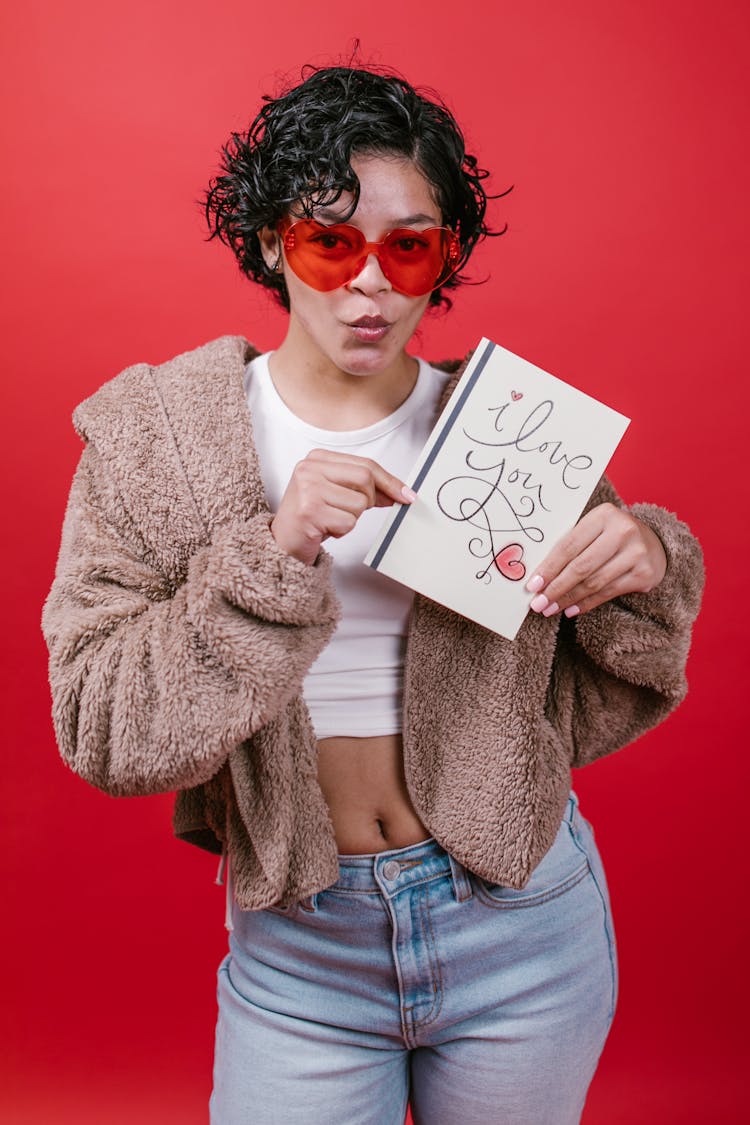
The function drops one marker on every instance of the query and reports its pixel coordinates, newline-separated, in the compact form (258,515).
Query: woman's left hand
(608,553)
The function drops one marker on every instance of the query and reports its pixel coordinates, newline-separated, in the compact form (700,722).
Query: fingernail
(540,602)
(408,494)
(535,584)
(551,609)
(572,611)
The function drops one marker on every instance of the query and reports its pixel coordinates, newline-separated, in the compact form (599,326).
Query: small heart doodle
(515,395)
(508,562)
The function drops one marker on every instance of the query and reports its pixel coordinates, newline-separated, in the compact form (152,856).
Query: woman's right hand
(326,495)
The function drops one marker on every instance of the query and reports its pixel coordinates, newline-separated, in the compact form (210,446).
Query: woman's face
(362,328)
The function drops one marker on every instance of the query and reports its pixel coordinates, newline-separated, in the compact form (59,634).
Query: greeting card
(507,470)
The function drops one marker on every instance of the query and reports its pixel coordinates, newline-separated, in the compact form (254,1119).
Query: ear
(270,245)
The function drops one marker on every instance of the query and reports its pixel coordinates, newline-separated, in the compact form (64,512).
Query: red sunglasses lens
(325,258)
(416,262)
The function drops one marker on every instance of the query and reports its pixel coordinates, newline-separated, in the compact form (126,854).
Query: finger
(361,481)
(348,498)
(613,575)
(572,544)
(337,522)
(326,507)
(602,519)
(597,565)
(630,571)
(318,478)
(385,500)
(614,590)
(389,487)
(632,565)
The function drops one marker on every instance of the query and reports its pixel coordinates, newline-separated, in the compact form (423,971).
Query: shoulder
(139,391)
(454,369)
(174,441)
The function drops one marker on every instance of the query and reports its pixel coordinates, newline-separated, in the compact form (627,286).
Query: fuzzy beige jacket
(180,634)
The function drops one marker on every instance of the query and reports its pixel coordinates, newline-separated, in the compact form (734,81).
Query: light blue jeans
(412,980)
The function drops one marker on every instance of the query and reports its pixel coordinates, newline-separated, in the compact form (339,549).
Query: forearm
(152,688)
(620,667)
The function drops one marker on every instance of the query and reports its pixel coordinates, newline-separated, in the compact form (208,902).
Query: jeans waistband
(393,871)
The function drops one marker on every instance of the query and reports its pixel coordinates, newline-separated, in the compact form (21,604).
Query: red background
(623,127)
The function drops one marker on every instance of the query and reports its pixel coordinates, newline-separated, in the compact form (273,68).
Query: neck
(320,393)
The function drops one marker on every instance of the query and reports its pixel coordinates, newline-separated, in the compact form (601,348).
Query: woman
(417,908)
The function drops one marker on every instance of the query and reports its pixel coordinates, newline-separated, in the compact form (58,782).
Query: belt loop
(310,904)
(461,882)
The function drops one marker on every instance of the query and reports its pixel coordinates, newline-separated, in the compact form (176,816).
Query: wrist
(305,550)
(657,554)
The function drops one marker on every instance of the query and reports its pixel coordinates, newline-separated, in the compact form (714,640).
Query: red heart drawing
(515,395)
(508,562)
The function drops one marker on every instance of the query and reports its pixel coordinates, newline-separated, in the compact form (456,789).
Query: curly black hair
(298,150)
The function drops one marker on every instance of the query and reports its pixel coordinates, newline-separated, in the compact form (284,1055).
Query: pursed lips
(370,329)
(370,322)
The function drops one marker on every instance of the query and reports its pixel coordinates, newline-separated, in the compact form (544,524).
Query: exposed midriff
(364,786)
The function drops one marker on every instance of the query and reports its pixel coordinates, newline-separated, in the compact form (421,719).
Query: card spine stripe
(481,363)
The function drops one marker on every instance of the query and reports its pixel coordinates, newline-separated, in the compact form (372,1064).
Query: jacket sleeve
(152,687)
(620,668)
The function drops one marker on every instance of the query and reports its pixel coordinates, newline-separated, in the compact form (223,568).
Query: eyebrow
(330,215)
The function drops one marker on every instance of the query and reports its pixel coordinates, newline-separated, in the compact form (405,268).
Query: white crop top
(354,688)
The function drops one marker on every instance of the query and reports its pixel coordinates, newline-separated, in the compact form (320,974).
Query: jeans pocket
(563,866)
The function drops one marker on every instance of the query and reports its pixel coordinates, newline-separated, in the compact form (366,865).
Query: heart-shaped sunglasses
(414,261)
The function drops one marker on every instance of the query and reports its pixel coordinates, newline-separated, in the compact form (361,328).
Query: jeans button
(391,869)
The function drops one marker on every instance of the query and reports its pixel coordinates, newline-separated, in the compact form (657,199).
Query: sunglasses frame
(452,257)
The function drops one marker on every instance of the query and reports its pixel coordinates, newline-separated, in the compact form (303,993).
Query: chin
(369,359)
(366,370)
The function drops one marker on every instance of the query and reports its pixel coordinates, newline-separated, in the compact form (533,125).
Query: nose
(371,278)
